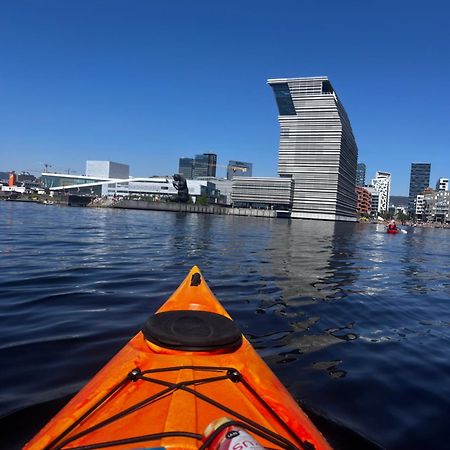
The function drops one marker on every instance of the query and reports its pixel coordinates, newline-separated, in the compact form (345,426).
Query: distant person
(392,226)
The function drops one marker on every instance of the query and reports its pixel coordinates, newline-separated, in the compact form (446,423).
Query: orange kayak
(188,366)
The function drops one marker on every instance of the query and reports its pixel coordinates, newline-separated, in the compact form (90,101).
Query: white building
(156,188)
(437,206)
(107,169)
(420,205)
(382,184)
(442,184)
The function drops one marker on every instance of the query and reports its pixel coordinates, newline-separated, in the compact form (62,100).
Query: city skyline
(74,89)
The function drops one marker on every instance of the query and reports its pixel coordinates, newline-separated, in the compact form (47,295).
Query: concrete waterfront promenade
(189,208)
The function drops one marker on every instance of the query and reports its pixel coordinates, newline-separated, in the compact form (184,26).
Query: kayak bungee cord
(136,374)
(90,410)
(138,439)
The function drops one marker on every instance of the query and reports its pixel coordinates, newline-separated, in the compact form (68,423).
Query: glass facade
(419,181)
(186,167)
(205,165)
(361,175)
(284,99)
(212,164)
(52,181)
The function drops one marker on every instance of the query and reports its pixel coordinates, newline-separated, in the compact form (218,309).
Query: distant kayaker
(392,226)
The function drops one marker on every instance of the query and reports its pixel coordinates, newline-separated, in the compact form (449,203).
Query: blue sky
(146,82)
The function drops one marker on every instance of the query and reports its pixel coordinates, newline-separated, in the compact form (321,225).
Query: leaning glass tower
(317,148)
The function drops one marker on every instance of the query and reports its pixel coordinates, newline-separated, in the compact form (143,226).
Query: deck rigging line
(224,373)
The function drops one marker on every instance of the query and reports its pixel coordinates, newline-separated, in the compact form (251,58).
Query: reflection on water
(309,266)
(301,254)
(355,322)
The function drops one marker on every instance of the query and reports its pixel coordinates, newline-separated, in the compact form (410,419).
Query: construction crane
(234,168)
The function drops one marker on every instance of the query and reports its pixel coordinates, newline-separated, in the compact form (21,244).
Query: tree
(387,215)
(402,217)
(202,200)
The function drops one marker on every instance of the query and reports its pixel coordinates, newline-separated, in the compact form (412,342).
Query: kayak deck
(155,396)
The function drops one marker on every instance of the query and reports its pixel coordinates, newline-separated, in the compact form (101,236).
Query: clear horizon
(145,83)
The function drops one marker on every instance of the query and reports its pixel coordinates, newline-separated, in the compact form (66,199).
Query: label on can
(233,438)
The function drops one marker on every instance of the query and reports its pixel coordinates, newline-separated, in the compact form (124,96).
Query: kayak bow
(188,366)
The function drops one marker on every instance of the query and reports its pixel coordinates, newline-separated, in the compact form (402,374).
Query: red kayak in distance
(396,231)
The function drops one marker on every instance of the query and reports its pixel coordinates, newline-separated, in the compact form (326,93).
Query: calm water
(355,322)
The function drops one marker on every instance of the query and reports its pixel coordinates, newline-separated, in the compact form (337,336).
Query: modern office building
(274,193)
(186,168)
(361,174)
(239,169)
(200,168)
(382,184)
(107,169)
(205,165)
(317,148)
(419,181)
(212,164)
(442,184)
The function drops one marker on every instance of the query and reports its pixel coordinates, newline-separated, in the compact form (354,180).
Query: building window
(326,87)
(284,99)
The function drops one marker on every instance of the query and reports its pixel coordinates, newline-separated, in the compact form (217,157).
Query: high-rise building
(420,180)
(200,166)
(212,164)
(317,148)
(205,165)
(361,175)
(382,184)
(186,167)
(239,169)
(442,184)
